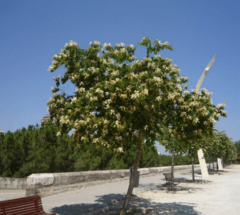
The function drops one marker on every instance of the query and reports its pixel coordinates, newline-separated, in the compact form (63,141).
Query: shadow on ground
(106,200)
(169,208)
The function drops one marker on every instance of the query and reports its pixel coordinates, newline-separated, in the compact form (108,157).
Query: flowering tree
(130,101)
(220,146)
(237,144)
(191,118)
(231,152)
(202,143)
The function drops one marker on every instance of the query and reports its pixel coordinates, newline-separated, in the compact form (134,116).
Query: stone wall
(13,183)
(56,183)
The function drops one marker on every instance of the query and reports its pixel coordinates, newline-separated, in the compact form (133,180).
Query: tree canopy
(131,102)
(129,98)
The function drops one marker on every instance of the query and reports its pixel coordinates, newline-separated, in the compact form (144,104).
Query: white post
(219,161)
(202,163)
(201,158)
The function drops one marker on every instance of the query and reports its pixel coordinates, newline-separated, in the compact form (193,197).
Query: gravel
(219,194)
(220,197)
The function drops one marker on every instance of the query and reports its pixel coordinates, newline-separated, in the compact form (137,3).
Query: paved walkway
(99,196)
(220,197)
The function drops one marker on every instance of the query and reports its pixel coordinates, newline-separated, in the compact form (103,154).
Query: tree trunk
(213,164)
(209,164)
(217,166)
(133,178)
(172,174)
(193,169)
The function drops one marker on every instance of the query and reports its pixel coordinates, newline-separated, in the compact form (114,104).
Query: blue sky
(33,31)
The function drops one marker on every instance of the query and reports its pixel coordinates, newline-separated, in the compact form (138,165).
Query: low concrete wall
(13,183)
(45,184)
(50,184)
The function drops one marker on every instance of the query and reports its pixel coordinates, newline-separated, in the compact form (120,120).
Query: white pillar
(202,163)
(219,161)
(201,158)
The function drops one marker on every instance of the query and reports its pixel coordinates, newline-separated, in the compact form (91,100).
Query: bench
(23,206)
(168,176)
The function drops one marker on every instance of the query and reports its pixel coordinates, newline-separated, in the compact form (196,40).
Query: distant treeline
(39,150)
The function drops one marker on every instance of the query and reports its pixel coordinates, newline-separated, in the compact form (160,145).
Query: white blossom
(221,105)
(106,45)
(183,114)
(118,138)
(135,95)
(209,94)
(159,98)
(123,96)
(95,140)
(184,78)
(74,100)
(158,56)
(147,59)
(120,45)
(196,120)
(158,79)
(118,116)
(95,43)
(179,87)
(132,46)
(50,68)
(72,43)
(115,73)
(112,111)
(205,113)
(145,91)
(120,149)
(171,96)
(122,50)
(203,90)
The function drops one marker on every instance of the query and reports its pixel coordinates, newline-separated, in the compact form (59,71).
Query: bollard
(136,184)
